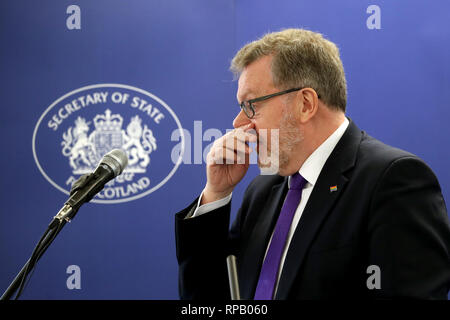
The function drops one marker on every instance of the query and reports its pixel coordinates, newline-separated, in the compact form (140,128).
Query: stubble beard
(283,144)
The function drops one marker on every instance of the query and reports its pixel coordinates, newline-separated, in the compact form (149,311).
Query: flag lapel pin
(333,188)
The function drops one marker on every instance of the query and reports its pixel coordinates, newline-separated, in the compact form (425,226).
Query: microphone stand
(83,190)
(58,222)
(66,214)
(233,278)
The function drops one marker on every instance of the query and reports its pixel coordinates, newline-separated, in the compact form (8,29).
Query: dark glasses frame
(249,109)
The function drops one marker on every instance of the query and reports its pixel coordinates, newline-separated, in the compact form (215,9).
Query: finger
(225,156)
(246,127)
(231,155)
(210,157)
(237,141)
(237,145)
(245,136)
(242,133)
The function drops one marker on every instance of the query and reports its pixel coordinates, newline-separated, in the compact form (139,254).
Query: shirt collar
(313,165)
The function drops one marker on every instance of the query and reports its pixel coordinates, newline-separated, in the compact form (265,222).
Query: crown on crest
(81,122)
(136,119)
(108,121)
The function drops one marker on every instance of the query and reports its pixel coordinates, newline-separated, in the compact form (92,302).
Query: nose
(241,120)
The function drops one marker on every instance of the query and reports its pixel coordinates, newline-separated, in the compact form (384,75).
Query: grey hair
(301,58)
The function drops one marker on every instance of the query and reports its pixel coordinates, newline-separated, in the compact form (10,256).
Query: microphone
(111,165)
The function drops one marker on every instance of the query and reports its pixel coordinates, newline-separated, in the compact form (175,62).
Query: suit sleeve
(201,246)
(409,233)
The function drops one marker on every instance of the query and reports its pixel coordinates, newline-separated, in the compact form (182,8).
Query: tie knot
(297,182)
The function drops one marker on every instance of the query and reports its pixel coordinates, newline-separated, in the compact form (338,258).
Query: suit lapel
(260,238)
(319,206)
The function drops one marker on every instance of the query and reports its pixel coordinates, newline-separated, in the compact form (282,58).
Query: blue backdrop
(174,55)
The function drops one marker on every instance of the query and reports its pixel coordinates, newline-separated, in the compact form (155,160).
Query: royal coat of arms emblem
(84,150)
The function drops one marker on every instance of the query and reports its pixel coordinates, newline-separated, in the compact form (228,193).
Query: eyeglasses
(248,107)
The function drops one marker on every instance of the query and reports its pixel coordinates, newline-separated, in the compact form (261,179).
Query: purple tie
(269,270)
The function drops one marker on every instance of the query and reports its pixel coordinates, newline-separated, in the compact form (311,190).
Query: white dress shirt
(310,170)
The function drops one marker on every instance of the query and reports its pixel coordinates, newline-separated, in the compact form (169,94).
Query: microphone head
(116,159)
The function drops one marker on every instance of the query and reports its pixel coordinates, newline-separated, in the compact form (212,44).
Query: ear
(308,104)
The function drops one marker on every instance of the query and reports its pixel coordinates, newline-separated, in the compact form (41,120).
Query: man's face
(274,123)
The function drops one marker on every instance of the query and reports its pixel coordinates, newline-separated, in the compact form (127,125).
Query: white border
(123,86)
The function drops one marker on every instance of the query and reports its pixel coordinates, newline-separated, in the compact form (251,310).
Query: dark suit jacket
(388,211)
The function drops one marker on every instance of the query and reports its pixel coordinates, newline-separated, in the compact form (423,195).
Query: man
(346,216)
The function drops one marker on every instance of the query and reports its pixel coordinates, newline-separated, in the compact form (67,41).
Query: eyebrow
(246,96)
